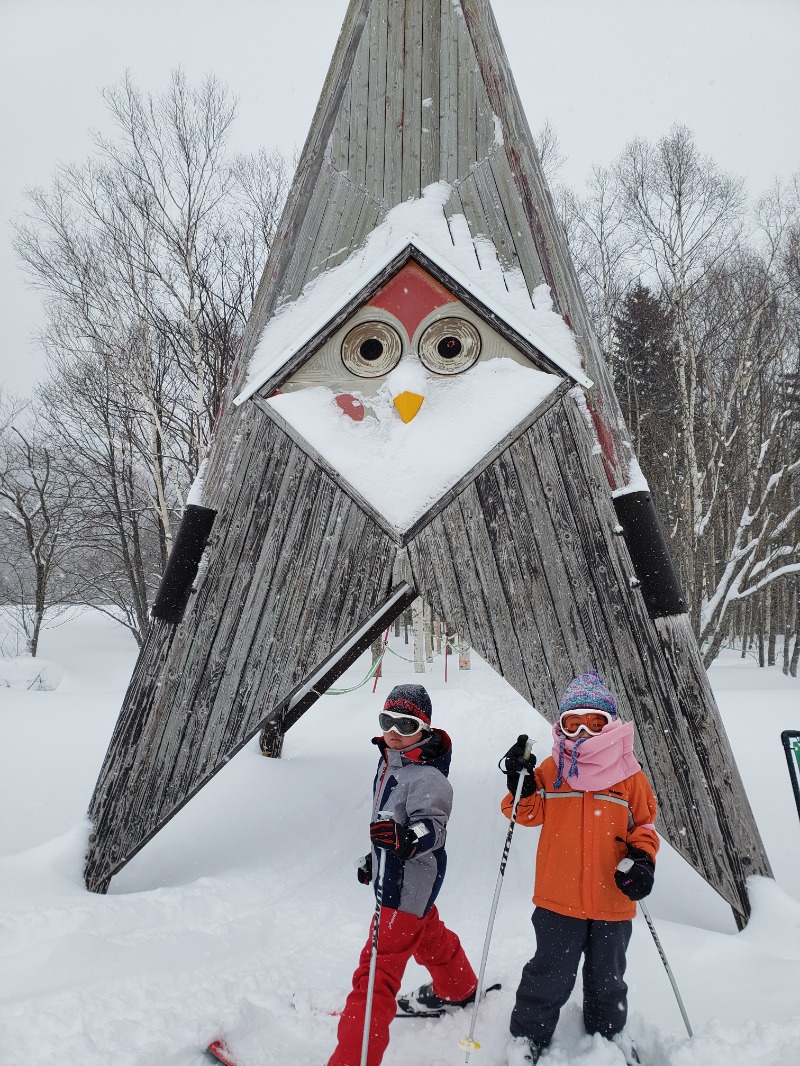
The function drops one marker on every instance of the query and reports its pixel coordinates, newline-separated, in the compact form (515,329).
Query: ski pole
(374,956)
(470,1044)
(624,865)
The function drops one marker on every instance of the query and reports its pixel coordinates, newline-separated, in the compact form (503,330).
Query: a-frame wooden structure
(560,565)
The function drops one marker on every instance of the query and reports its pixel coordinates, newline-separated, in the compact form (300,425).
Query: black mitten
(364,870)
(514,762)
(636,880)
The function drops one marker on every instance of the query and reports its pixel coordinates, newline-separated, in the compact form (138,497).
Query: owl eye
(371,349)
(450,346)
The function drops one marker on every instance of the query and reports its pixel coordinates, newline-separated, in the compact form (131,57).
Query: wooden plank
(325,198)
(411,173)
(431,57)
(487,134)
(497,225)
(332,244)
(283,572)
(358,580)
(524,248)
(448,95)
(468,77)
(563,625)
(442,544)
(104,851)
(359,83)
(471,209)
(338,151)
(523,575)
(481,510)
(696,703)
(376,99)
(393,144)
(344,240)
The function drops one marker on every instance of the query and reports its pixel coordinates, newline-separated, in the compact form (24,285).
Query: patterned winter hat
(410,699)
(588,690)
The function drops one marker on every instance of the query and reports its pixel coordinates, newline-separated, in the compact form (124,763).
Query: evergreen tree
(644,342)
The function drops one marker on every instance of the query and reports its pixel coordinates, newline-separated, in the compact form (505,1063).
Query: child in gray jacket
(414,797)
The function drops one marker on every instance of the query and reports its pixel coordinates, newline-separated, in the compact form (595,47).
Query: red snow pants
(401,936)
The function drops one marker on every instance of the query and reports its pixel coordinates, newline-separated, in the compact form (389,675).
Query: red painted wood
(411,295)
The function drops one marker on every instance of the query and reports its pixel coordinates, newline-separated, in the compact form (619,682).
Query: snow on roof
(471,262)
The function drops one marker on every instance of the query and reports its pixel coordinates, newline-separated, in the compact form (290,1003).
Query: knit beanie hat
(410,699)
(588,690)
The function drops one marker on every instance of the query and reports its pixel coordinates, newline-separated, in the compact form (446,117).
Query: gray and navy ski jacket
(413,787)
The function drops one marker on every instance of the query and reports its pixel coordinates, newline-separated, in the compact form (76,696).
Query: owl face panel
(409,394)
(412,315)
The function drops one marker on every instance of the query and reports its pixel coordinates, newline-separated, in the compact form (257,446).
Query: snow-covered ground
(244,916)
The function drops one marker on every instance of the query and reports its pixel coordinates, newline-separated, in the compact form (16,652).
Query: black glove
(514,762)
(637,881)
(364,870)
(402,841)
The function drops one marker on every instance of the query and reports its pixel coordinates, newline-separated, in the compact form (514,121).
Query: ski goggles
(588,719)
(404,724)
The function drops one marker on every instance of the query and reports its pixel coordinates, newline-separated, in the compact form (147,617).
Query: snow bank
(244,916)
(26,672)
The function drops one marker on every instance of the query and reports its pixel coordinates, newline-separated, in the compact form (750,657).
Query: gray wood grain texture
(296,566)
(525,563)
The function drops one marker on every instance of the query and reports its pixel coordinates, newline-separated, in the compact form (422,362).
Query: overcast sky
(602,72)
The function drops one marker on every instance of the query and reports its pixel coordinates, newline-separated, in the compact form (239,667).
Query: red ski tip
(219,1050)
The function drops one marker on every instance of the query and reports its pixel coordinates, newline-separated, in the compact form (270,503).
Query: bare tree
(549,148)
(753,444)
(694,302)
(602,247)
(148,256)
(39,518)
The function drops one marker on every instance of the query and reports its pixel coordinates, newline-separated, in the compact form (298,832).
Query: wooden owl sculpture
(419,409)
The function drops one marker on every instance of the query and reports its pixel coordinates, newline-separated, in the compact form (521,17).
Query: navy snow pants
(548,979)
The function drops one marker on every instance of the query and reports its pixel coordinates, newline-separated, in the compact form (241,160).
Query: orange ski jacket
(578,851)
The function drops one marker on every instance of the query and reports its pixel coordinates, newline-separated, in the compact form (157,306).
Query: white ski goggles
(406,725)
(588,719)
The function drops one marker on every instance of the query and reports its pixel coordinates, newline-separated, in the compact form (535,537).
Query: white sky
(602,71)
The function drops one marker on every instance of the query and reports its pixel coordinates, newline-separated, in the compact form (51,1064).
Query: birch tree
(148,256)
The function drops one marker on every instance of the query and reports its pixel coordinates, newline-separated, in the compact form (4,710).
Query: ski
(220,1053)
(401,1013)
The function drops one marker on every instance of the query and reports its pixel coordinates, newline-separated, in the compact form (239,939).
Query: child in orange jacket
(596,807)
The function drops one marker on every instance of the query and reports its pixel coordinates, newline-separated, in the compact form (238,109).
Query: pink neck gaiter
(596,762)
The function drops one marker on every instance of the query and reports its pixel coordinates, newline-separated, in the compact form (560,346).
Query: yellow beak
(408,404)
